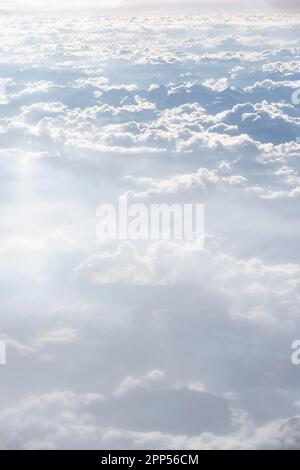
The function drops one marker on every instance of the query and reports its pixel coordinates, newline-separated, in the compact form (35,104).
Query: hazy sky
(139,6)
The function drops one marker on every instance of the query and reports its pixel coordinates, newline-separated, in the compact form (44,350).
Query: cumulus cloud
(142,344)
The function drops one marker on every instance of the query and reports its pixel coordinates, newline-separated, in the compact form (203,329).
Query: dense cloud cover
(149,345)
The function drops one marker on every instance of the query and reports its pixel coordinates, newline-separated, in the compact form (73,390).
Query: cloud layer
(149,345)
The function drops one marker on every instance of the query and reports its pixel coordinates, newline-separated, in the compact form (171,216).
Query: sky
(147,344)
(145,6)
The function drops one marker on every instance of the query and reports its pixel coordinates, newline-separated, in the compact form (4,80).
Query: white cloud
(147,344)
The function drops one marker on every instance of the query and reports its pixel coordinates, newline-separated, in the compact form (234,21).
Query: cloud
(43,340)
(149,345)
(64,420)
